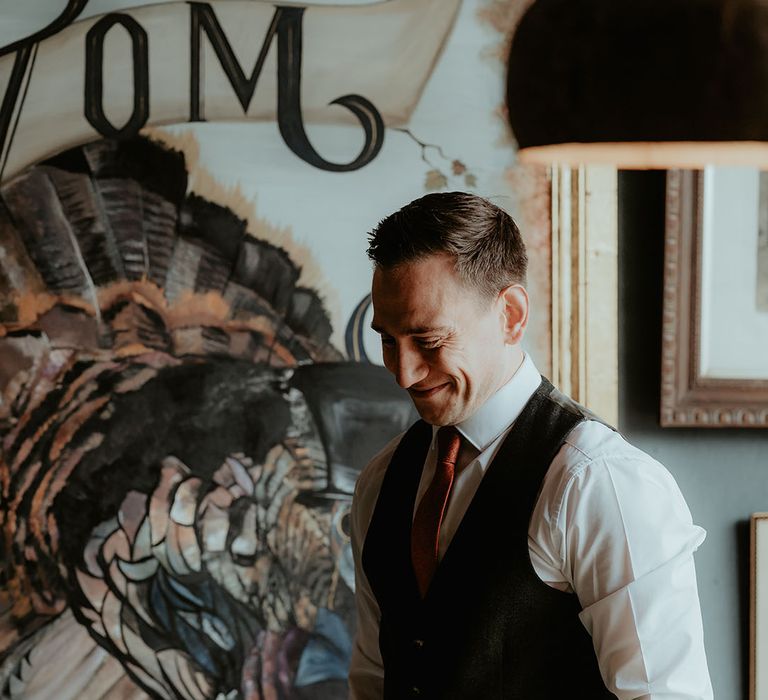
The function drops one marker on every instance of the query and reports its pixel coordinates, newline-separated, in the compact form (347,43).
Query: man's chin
(437,406)
(436,415)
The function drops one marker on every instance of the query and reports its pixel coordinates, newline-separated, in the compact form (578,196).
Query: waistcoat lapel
(389,534)
(517,465)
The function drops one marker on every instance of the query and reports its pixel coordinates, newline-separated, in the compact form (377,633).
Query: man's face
(444,342)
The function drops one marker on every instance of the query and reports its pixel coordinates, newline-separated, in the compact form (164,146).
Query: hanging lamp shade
(641,84)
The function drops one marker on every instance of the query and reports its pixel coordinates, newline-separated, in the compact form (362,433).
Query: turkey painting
(180,443)
(189,384)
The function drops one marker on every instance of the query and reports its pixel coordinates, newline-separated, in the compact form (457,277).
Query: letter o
(94,76)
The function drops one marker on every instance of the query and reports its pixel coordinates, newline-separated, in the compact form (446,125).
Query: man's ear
(515,313)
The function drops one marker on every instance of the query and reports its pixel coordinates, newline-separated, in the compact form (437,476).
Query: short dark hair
(489,250)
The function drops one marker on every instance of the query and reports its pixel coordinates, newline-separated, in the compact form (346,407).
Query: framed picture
(715,321)
(584,248)
(758,618)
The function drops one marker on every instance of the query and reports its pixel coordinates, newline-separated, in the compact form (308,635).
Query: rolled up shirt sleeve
(626,540)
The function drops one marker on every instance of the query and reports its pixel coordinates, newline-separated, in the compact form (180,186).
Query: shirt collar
(502,408)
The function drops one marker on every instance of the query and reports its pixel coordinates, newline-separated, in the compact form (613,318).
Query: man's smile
(427,393)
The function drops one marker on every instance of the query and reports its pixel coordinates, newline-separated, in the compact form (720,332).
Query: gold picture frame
(692,395)
(585,287)
(758,607)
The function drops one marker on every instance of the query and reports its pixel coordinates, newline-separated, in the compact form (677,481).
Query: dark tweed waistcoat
(488,627)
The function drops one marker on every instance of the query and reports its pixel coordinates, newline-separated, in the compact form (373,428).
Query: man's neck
(495,414)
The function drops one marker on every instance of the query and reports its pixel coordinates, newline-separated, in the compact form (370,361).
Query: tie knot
(448,444)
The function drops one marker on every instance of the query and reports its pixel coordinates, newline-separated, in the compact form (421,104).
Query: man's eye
(430,344)
(386,340)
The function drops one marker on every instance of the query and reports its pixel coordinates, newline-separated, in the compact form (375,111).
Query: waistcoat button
(415,691)
(418,643)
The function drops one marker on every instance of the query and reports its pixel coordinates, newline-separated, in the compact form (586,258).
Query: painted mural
(188,383)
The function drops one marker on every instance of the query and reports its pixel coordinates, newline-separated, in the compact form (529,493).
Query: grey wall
(722,473)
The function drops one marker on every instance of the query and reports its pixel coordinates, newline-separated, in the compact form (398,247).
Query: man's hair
(489,251)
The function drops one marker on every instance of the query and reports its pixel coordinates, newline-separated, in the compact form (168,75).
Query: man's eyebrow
(417,330)
(427,330)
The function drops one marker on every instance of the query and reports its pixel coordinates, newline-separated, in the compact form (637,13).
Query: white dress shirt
(610,525)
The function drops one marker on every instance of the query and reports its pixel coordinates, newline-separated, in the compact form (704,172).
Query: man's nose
(410,367)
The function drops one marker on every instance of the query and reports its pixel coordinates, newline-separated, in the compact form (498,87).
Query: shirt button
(415,691)
(418,643)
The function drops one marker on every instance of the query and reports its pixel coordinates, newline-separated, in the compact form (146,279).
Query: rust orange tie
(426,524)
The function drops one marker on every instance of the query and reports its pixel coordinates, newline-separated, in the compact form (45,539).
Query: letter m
(204,20)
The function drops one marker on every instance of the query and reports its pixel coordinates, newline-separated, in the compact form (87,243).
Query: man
(509,545)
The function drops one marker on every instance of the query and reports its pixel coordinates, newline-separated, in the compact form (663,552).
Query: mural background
(189,384)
